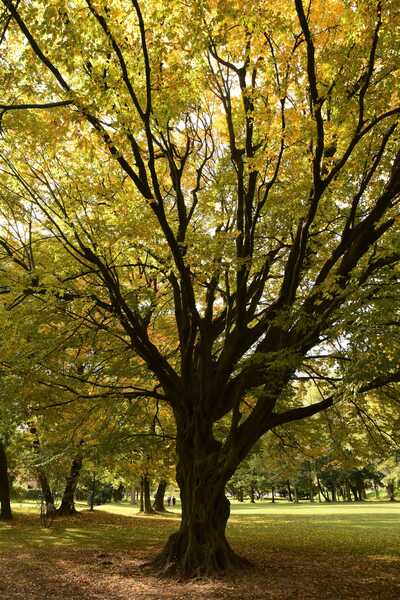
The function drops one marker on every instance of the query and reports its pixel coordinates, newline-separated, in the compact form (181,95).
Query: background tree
(5,499)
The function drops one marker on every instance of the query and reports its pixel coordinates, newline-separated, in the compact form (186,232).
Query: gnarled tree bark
(200,546)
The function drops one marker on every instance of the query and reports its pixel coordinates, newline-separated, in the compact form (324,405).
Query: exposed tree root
(66,511)
(183,560)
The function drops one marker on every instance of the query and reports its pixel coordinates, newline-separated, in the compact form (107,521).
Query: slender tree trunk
(146,495)
(134,494)
(93,491)
(348,491)
(252,495)
(67,503)
(311,482)
(354,492)
(390,491)
(273,494)
(46,490)
(363,490)
(376,490)
(333,491)
(200,546)
(41,474)
(141,495)
(360,490)
(5,502)
(158,505)
(289,489)
(321,491)
(295,494)
(145,499)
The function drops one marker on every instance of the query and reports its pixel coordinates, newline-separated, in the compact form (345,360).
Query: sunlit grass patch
(368,528)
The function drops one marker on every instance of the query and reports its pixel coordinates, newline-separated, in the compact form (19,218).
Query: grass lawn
(362,528)
(302,551)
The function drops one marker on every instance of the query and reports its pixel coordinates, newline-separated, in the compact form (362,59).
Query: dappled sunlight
(86,529)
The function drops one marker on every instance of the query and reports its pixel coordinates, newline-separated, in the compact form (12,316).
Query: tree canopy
(212,187)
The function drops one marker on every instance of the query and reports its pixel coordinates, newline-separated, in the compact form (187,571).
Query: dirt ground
(92,575)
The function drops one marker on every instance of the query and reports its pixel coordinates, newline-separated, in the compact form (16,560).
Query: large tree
(245,220)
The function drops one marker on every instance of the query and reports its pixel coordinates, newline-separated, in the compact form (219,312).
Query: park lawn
(299,551)
(359,528)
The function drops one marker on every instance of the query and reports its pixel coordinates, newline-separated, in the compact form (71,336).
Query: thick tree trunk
(5,502)
(200,547)
(67,506)
(158,505)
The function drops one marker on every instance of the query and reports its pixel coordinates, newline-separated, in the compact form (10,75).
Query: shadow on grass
(90,574)
(87,529)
